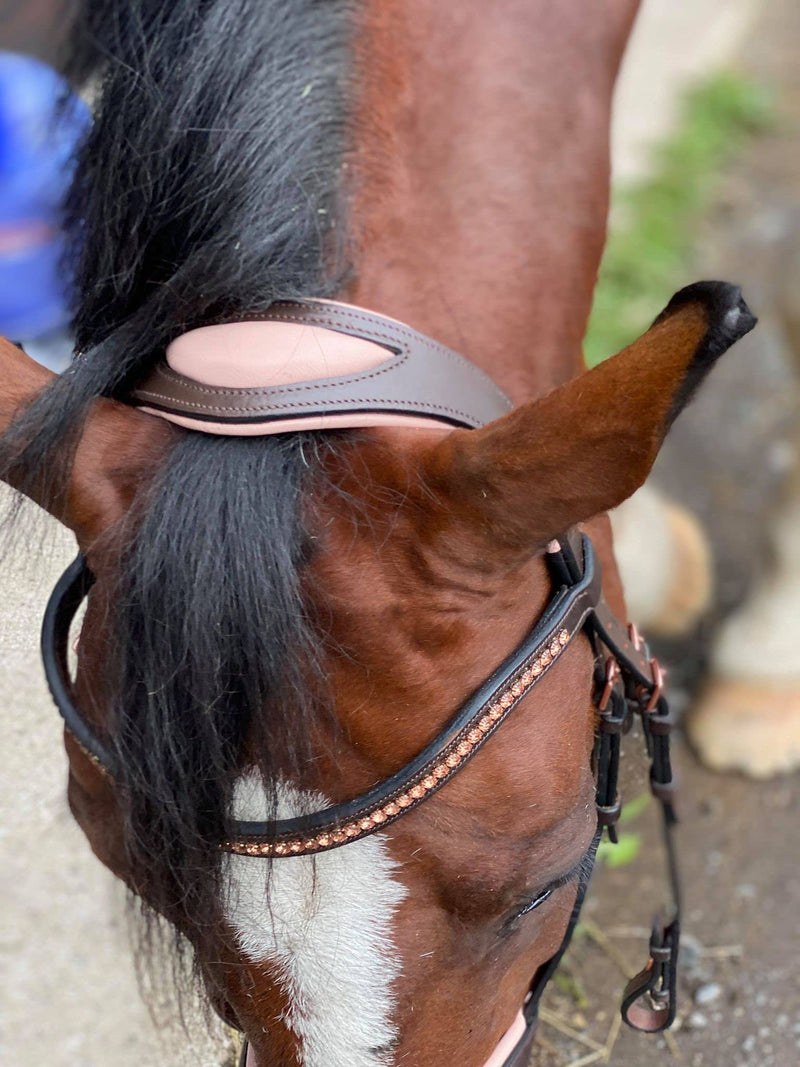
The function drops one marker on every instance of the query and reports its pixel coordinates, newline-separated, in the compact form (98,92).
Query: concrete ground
(69,992)
(69,989)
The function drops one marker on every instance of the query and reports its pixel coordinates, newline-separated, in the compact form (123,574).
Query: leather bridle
(627,680)
(628,683)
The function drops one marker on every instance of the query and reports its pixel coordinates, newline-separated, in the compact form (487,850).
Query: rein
(628,682)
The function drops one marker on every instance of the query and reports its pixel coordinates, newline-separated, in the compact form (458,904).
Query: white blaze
(324,924)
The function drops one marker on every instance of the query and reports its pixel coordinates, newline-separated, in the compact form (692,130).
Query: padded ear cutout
(587,446)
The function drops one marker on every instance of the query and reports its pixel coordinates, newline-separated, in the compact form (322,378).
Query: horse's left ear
(119,448)
(587,446)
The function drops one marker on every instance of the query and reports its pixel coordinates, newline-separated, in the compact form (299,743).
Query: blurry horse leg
(748,718)
(665,562)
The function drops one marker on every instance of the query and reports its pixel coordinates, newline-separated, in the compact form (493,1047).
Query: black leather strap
(629,681)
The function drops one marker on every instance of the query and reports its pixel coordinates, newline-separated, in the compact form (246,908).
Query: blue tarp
(37,139)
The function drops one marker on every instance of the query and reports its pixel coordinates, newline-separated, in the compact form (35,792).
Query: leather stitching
(165,371)
(336,317)
(393,405)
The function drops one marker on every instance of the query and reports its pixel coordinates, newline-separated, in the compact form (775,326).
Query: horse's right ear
(584,448)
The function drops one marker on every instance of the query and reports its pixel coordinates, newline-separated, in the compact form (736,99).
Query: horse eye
(540,898)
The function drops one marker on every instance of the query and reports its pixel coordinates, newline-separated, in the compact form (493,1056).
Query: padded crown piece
(315,365)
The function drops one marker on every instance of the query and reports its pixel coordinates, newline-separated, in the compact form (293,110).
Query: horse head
(279,624)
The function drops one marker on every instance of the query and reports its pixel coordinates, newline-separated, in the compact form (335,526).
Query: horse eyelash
(581,871)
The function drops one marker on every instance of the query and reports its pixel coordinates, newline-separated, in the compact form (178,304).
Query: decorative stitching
(331,318)
(334,408)
(165,371)
(411,336)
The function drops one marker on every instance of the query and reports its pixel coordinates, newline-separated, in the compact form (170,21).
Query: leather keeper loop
(664,791)
(661,722)
(608,814)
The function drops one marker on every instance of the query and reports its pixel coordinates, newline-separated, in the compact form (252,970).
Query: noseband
(628,682)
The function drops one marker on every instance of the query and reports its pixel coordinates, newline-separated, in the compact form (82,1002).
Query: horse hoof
(665,562)
(749,727)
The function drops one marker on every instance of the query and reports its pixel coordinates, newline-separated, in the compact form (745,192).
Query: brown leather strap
(419,377)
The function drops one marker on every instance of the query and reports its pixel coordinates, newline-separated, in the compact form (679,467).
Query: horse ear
(587,446)
(119,448)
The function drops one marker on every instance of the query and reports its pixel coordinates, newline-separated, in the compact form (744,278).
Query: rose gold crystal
(351,830)
(366,824)
(506,700)
(324,840)
(417,791)
(391,808)
(474,736)
(546,657)
(516,689)
(280,849)
(563,637)
(429,782)
(485,724)
(453,760)
(404,801)
(295,847)
(339,836)
(555,648)
(527,677)
(378,817)
(496,712)
(440,771)
(464,748)
(536,668)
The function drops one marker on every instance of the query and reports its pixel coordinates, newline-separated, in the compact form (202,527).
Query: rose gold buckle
(612,675)
(658,679)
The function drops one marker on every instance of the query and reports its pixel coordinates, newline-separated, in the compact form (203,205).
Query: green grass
(650,245)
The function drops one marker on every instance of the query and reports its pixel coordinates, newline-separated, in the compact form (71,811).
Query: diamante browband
(465,734)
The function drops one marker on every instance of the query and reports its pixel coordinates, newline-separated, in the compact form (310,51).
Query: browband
(467,732)
(315,364)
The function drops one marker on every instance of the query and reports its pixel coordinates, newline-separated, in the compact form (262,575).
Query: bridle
(628,682)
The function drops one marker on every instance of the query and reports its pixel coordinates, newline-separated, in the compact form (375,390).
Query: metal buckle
(612,677)
(658,680)
(649,698)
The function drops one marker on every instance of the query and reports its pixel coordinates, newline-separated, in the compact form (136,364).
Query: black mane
(208,184)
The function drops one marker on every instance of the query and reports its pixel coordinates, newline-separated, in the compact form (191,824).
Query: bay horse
(279,621)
